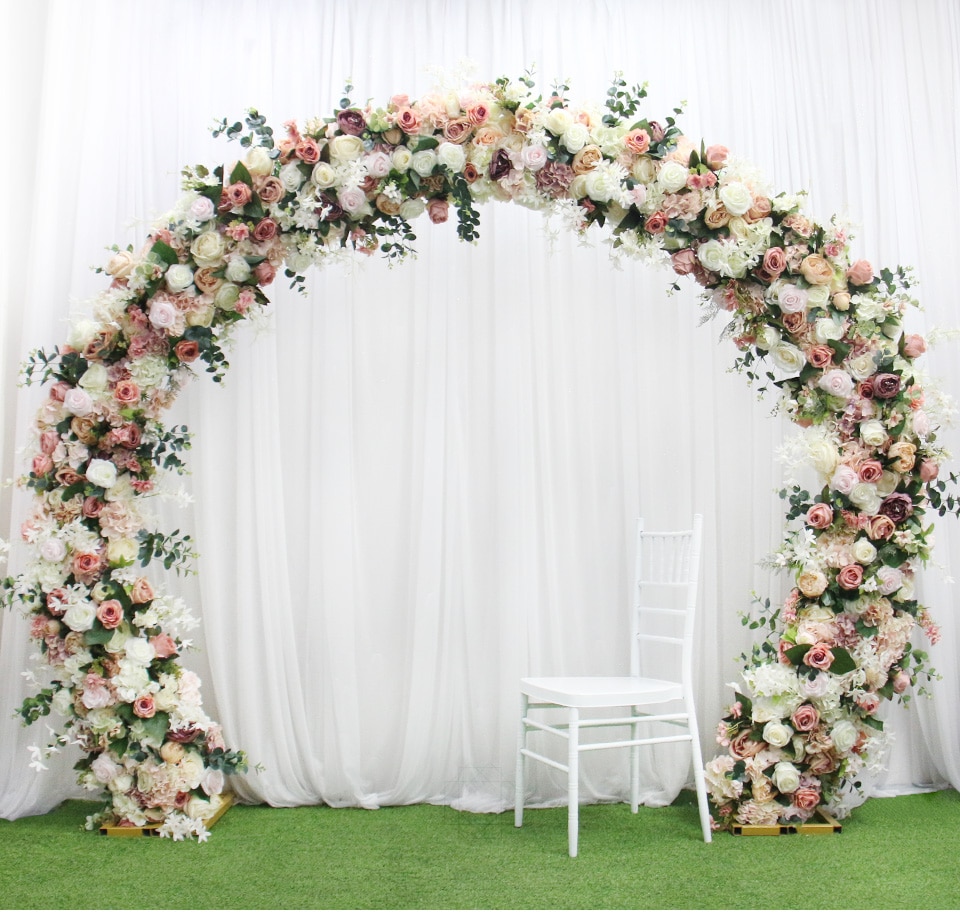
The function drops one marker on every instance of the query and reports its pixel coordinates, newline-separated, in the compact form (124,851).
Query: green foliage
(174,550)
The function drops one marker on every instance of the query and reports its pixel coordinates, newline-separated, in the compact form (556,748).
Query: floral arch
(825,330)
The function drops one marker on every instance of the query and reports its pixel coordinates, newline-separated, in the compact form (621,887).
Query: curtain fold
(420,483)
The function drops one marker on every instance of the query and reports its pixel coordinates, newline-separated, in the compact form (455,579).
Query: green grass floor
(900,853)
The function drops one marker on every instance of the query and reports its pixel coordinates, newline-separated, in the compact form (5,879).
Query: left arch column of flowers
(832,329)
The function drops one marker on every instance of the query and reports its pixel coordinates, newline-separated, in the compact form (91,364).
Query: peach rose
(816,270)
(742,747)
(811,583)
(637,141)
(716,217)
(904,456)
(586,159)
(880,528)
(145,707)
(717,156)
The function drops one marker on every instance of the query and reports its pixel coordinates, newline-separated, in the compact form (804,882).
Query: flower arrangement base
(822,823)
(152,830)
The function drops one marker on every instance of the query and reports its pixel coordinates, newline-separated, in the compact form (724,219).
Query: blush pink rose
(870,471)
(806,797)
(819,656)
(805,718)
(914,346)
(717,156)
(684,261)
(307,150)
(901,682)
(238,194)
(141,591)
(408,120)
(820,516)
(774,261)
(860,273)
(929,470)
(127,392)
(164,646)
(41,465)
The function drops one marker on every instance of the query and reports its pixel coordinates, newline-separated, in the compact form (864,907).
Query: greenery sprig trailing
(822,329)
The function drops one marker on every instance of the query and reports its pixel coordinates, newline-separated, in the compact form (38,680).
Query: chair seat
(600,691)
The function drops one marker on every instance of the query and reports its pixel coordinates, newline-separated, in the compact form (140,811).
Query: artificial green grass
(898,853)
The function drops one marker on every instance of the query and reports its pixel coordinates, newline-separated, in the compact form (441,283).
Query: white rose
(198,808)
(191,769)
(736,197)
(238,270)
(53,550)
(258,162)
(791,298)
(201,314)
(401,159)
(423,162)
(534,157)
(864,551)
(872,432)
(208,248)
(601,184)
(575,137)
(711,255)
(95,378)
(138,651)
(346,147)
(817,297)
(102,473)
(451,156)
(786,777)
(825,329)
(672,176)
(324,175)
(412,208)
(767,338)
(82,332)
(557,121)
(887,483)
(644,170)
(291,177)
(823,455)
(777,733)
(78,402)
(122,552)
(788,357)
(226,296)
(378,164)
(844,734)
(80,616)
(864,495)
(861,367)
(351,199)
(179,277)
(212,782)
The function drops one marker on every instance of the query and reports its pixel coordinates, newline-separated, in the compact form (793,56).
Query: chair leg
(521,745)
(573,782)
(698,778)
(634,765)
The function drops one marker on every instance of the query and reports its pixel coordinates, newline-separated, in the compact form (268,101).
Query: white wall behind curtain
(421,483)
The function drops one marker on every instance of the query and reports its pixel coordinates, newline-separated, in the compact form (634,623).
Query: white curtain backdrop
(421,483)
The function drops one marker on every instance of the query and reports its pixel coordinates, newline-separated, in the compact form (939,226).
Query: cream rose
(208,249)
(844,735)
(138,651)
(346,147)
(423,162)
(736,197)
(178,278)
(788,357)
(786,777)
(291,177)
(575,137)
(95,378)
(80,616)
(776,733)
(672,176)
(864,551)
(323,175)
(122,552)
(872,432)
(451,156)
(258,162)
(102,473)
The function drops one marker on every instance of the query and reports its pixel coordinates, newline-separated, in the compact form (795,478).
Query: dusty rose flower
(477,113)
(87,566)
(805,718)
(742,747)
(238,194)
(901,681)
(806,797)
(914,346)
(880,527)
(758,210)
(656,223)
(554,179)
(438,210)
(145,707)
(929,470)
(269,189)
(684,261)
(127,392)
(41,465)
(717,156)
(820,516)
(870,471)
(110,613)
(164,646)
(774,261)
(819,656)
(850,577)
(408,120)
(716,216)
(886,385)
(187,351)
(458,130)
(860,273)
(264,273)
(141,591)
(897,507)
(265,230)
(501,165)
(307,150)
(820,355)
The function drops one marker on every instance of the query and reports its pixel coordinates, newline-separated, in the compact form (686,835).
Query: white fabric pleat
(421,483)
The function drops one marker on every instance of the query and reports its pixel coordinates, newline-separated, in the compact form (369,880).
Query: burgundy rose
(350,121)
(886,385)
(897,507)
(500,165)
(819,656)
(183,735)
(330,209)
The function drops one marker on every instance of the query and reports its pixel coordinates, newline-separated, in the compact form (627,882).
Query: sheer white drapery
(421,483)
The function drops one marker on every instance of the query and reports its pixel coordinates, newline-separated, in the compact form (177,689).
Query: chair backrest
(665,600)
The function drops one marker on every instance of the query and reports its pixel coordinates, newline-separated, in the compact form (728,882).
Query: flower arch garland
(806,720)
